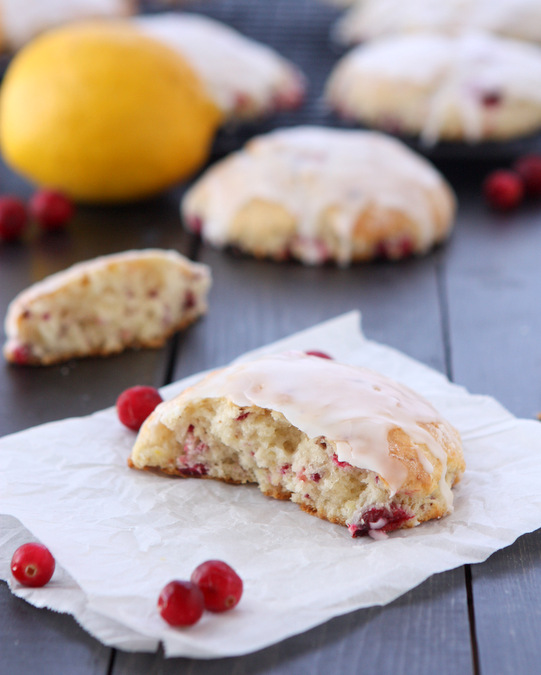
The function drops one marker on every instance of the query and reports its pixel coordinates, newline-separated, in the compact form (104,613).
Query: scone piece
(345,443)
(22,20)
(245,78)
(103,306)
(322,195)
(472,87)
(372,19)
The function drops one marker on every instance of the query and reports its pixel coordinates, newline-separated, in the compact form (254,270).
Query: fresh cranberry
(220,584)
(52,210)
(321,355)
(181,603)
(529,169)
(32,565)
(13,218)
(503,189)
(134,405)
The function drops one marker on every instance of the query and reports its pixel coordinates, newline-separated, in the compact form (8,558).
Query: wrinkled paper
(120,535)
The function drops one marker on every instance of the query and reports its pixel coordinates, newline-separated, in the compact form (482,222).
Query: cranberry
(51,209)
(195,471)
(529,169)
(503,189)
(194,224)
(381,520)
(32,565)
(181,603)
(342,465)
(491,99)
(134,405)
(220,584)
(21,355)
(321,355)
(13,218)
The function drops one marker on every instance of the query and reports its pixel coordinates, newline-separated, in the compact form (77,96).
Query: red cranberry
(503,189)
(13,218)
(342,465)
(21,355)
(32,565)
(181,603)
(194,224)
(321,355)
(134,405)
(381,520)
(529,169)
(220,584)
(52,210)
(195,471)
(491,99)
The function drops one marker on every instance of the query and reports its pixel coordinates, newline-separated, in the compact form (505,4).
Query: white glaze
(231,65)
(369,19)
(352,406)
(308,169)
(21,20)
(456,70)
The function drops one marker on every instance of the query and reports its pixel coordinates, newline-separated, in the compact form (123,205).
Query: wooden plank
(493,289)
(413,634)
(37,641)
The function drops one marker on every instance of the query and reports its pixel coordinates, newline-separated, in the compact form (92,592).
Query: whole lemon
(104,113)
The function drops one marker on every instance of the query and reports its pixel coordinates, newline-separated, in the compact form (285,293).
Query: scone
(322,195)
(22,20)
(472,87)
(245,78)
(105,305)
(345,443)
(372,19)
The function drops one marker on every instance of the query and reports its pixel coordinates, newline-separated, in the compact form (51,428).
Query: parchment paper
(120,535)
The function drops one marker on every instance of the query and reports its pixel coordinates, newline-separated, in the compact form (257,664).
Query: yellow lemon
(104,113)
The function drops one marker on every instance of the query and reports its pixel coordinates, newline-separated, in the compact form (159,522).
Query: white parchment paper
(120,535)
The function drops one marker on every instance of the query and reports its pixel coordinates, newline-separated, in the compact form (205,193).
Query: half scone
(321,195)
(345,443)
(105,305)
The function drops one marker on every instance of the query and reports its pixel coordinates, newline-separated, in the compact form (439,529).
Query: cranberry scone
(322,195)
(469,87)
(373,19)
(22,20)
(245,78)
(102,306)
(345,443)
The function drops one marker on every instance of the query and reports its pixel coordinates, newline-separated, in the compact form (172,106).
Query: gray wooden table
(468,309)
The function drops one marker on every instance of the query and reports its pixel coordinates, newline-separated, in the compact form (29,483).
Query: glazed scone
(345,443)
(245,78)
(472,87)
(105,305)
(373,19)
(319,194)
(22,20)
